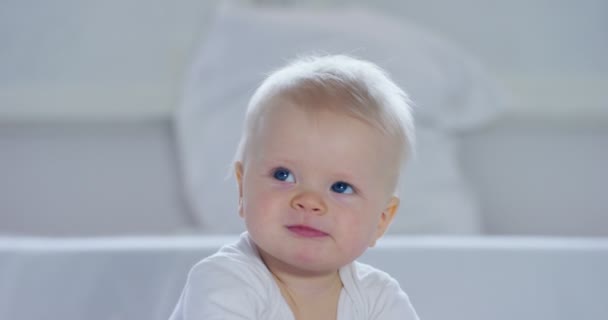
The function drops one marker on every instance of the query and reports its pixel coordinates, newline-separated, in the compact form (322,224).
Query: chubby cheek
(357,234)
(258,207)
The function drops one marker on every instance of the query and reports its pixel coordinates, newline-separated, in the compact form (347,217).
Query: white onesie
(234,283)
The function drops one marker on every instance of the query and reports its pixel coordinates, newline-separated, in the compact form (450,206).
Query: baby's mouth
(306,231)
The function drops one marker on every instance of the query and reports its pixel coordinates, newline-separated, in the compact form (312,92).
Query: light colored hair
(360,88)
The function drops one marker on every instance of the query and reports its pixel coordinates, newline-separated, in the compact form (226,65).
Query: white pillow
(244,44)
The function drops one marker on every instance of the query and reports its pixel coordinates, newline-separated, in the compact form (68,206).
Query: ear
(385,218)
(238,170)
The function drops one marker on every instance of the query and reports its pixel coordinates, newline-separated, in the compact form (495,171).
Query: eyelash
(282,174)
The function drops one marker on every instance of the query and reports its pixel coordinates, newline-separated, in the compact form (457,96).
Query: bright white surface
(537,178)
(90,179)
(64,60)
(214,241)
(471,278)
(116,59)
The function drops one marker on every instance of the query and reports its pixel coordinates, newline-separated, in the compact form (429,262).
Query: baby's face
(316,187)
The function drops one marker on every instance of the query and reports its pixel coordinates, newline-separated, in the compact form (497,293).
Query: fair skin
(315,190)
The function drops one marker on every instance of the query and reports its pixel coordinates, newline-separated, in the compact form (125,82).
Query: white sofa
(458,278)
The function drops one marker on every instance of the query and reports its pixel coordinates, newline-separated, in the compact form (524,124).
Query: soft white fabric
(448,88)
(235,284)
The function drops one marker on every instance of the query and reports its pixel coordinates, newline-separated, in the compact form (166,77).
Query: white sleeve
(393,304)
(216,291)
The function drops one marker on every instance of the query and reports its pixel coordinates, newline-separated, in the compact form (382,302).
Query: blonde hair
(365,90)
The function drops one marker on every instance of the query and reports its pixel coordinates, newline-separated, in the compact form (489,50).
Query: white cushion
(449,90)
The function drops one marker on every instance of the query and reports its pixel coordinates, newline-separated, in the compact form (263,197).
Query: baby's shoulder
(233,262)
(378,291)
(227,282)
(368,276)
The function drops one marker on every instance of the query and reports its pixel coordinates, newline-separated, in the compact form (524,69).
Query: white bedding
(446,277)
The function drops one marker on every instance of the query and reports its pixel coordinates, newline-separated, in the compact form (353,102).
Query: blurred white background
(88,92)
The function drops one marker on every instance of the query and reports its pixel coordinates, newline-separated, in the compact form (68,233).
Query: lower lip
(306,232)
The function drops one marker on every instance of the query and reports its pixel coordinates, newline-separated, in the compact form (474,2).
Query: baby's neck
(312,298)
(310,286)
(309,295)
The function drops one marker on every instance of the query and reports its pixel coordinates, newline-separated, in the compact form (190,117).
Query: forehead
(291,130)
(336,97)
(316,116)
(314,102)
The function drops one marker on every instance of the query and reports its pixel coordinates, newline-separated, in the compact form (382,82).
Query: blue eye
(283,174)
(342,187)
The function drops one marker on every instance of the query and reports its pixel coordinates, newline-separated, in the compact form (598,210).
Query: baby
(317,169)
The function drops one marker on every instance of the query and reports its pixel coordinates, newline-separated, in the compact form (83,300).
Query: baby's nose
(309,202)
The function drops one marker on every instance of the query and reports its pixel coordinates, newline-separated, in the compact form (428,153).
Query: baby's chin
(314,261)
(303,262)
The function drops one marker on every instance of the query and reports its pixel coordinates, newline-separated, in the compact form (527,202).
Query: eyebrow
(345,176)
(275,160)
